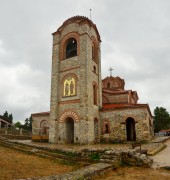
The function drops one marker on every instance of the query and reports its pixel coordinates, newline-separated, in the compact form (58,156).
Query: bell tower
(76,94)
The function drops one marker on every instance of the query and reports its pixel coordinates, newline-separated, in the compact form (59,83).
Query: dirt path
(162,158)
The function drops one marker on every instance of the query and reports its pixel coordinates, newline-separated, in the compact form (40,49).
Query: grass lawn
(15,164)
(136,173)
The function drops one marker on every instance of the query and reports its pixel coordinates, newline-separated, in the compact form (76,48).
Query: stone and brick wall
(87,71)
(117,122)
(81,108)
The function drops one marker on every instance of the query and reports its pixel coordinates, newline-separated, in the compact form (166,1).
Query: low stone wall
(85,173)
(118,157)
(16,137)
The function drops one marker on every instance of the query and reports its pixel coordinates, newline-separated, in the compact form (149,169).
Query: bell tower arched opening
(71,48)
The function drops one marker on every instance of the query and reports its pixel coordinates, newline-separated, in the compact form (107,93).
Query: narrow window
(94,69)
(108,85)
(93,51)
(71,48)
(106,128)
(94,95)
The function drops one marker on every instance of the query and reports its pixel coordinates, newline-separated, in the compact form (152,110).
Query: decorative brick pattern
(67,114)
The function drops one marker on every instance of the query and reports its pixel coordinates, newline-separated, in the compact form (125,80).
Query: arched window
(106,127)
(94,94)
(93,51)
(71,48)
(44,127)
(69,85)
(108,85)
(94,69)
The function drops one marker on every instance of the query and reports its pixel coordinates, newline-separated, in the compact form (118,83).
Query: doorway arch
(130,129)
(69,130)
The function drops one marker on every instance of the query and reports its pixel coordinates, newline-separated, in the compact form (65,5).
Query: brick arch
(42,122)
(105,122)
(44,127)
(67,114)
(95,83)
(64,41)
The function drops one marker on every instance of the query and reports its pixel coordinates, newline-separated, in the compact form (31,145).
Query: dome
(79,20)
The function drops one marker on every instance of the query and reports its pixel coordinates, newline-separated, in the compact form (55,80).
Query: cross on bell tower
(110,71)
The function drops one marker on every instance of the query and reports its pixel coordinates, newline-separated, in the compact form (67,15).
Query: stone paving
(71,146)
(77,148)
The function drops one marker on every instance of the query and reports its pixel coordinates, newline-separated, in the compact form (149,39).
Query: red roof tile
(41,114)
(108,106)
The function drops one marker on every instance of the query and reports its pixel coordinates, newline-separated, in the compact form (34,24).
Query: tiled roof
(41,114)
(78,19)
(110,91)
(109,107)
(2,120)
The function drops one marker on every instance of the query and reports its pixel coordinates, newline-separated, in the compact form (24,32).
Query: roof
(113,78)
(109,107)
(78,19)
(165,130)
(2,120)
(41,114)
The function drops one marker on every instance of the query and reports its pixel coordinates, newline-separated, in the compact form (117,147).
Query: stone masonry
(83,108)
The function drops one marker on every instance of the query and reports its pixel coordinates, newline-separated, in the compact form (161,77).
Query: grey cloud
(135,42)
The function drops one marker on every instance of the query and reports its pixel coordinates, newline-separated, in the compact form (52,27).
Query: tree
(8,117)
(5,116)
(161,119)
(18,125)
(28,124)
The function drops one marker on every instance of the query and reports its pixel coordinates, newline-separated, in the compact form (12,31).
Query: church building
(85,109)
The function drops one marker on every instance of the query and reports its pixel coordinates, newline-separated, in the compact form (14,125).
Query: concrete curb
(155,151)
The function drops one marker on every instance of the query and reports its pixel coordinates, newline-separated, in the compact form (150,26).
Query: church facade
(85,109)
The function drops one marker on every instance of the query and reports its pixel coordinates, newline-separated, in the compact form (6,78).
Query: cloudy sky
(135,42)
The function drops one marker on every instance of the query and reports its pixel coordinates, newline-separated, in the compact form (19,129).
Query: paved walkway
(162,158)
(70,147)
(73,147)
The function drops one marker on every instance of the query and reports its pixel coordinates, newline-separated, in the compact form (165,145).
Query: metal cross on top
(110,71)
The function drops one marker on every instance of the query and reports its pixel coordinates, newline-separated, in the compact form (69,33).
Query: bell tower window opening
(71,48)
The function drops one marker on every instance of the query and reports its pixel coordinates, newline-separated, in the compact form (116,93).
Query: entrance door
(69,128)
(130,129)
